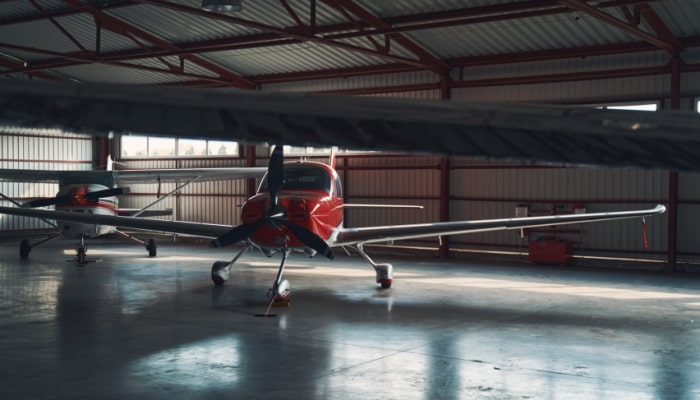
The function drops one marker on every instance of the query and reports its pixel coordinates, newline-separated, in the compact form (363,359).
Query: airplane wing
(352,236)
(186,174)
(29,175)
(131,176)
(346,236)
(182,227)
(528,133)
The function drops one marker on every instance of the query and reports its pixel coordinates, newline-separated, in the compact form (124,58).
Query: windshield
(303,177)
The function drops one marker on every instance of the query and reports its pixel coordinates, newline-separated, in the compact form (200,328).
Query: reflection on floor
(128,326)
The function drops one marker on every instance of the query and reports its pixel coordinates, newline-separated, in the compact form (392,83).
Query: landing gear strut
(280,292)
(385,272)
(25,247)
(150,246)
(81,252)
(220,271)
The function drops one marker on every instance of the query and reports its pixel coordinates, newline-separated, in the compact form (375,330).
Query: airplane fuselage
(77,203)
(311,199)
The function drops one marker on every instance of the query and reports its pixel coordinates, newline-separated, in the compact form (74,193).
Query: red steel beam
(119,26)
(287,33)
(597,13)
(269,39)
(520,80)
(437,65)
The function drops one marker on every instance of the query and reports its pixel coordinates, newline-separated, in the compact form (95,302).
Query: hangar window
(151,146)
(306,150)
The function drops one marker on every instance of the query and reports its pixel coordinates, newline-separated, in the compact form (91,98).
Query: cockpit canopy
(304,177)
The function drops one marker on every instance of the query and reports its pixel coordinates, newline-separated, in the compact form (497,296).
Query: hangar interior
(617,53)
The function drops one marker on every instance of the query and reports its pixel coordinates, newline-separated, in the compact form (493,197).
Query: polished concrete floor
(127,326)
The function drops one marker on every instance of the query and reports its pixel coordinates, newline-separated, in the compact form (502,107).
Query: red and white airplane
(93,193)
(299,207)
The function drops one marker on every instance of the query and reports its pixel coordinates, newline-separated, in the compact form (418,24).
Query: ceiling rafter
(579,5)
(13,65)
(286,35)
(284,32)
(360,27)
(436,64)
(80,59)
(114,24)
(405,24)
(57,25)
(659,26)
(292,14)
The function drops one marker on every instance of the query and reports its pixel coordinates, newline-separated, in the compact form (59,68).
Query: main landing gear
(280,292)
(150,245)
(384,272)
(25,247)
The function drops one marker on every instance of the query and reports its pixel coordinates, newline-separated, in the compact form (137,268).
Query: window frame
(209,153)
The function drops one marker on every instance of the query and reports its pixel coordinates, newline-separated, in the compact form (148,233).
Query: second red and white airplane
(299,207)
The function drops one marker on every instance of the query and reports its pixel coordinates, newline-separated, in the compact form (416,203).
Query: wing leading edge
(132,176)
(350,236)
(182,227)
(344,236)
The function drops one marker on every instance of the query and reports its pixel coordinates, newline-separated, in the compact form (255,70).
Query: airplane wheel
(151,247)
(386,285)
(218,281)
(220,272)
(24,248)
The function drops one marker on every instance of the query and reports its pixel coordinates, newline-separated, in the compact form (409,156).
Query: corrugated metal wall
(38,149)
(493,191)
(483,190)
(211,201)
(689,218)
(488,190)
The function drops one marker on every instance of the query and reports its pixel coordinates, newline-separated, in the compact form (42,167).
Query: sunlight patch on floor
(551,288)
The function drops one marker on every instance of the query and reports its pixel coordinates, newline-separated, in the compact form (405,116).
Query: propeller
(76,196)
(276,213)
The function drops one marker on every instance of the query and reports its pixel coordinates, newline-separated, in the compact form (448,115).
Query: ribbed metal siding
(689,217)
(494,192)
(37,149)
(377,179)
(212,201)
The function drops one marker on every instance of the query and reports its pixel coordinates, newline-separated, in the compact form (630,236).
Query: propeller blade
(308,238)
(46,202)
(275,175)
(92,196)
(237,234)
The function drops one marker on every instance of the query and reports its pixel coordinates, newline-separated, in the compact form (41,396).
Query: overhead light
(222,5)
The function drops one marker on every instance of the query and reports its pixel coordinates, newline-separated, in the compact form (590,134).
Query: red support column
(100,152)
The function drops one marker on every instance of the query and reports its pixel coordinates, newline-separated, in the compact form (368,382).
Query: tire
(24,249)
(151,247)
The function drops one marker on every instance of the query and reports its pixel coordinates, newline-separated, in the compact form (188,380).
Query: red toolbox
(550,252)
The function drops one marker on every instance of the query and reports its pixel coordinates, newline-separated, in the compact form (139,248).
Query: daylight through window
(151,146)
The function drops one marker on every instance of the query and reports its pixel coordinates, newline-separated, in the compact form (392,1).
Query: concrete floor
(128,326)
